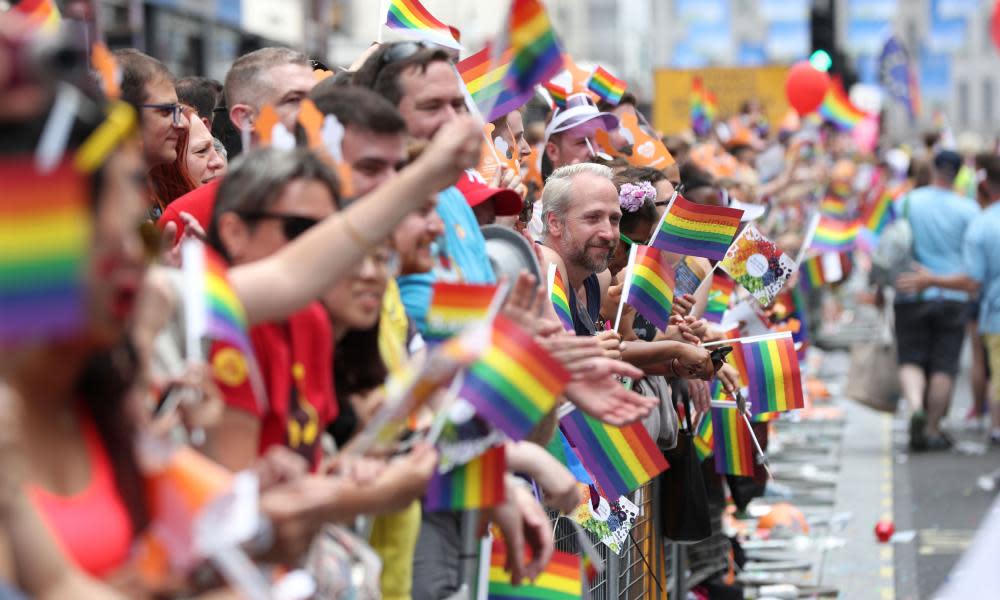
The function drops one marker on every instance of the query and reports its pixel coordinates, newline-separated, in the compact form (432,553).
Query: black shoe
(938,442)
(918,437)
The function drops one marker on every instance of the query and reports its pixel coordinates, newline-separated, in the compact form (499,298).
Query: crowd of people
(333,253)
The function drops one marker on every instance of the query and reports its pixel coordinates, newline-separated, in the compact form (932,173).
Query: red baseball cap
(472,185)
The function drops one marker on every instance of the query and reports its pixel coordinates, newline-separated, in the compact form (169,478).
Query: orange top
(93,526)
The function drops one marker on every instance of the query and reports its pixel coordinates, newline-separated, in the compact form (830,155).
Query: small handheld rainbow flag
(484,79)
(835,235)
(455,306)
(42,15)
(838,108)
(476,484)
(824,268)
(45,234)
(560,449)
(835,206)
(697,229)
(811,274)
(560,297)
(774,378)
(536,56)
(606,85)
(557,93)
(650,288)
(703,438)
(732,445)
(515,382)
(620,458)
(560,580)
(880,213)
(411,17)
(719,296)
(227,319)
(702,113)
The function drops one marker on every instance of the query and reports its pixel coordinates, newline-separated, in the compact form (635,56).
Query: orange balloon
(784,520)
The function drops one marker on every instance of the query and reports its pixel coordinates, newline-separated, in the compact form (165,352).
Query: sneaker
(918,435)
(937,442)
(995,438)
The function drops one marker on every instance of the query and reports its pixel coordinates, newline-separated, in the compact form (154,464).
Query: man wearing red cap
(488,202)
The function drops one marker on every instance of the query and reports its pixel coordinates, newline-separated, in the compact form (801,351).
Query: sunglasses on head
(291,225)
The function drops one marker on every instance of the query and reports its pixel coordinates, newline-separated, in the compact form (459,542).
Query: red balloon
(805,87)
(884,530)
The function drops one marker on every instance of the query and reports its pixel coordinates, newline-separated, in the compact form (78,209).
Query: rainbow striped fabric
(703,107)
(835,235)
(45,232)
(719,296)
(825,268)
(455,306)
(485,81)
(476,484)
(620,458)
(773,376)
(697,229)
(411,17)
(560,449)
(557,93)
(838,108)
(731,441)
(834,206)
(880,213)
(42,15)
(811,274)
(561,579)
(650,289)
(606,85)
(515,382)
(560,297)
(227,319)
(703,438)
(536,56)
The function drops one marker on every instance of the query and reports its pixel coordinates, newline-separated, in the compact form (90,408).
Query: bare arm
(300,272)
(921,280)
(235,441)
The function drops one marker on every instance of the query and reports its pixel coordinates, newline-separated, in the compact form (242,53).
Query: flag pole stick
(750,339)
(762,460)
(663,218)
(380,20)
(473,108)
(627,286)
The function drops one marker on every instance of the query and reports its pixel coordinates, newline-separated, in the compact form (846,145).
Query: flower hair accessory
(633,195)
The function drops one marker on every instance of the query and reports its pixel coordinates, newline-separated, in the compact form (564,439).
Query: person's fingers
(192,228)
(169,237)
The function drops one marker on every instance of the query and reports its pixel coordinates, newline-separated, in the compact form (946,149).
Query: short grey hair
(245,83)
(257,178)
(558,191)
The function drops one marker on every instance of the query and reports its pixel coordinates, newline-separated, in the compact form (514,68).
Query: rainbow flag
(811,276)
(825,268)
(701,120)
(834,206)
(560,297)
(476,484)
(774,379)
(620,458)
(227,319)
(42,15)
(697,229)
(411,17)
(560,580)
(838,108)
(536,56)
(835,235)
(606,85)
(732,445)
(589,569)
(455,306)
(719,296)
(650,288)
(560,449)
(703,438)
(45,232)
(485,81)
(880,213)
(515,382)
(557,93)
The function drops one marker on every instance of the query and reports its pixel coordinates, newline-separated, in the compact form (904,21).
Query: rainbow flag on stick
(838,108)
(45,234)
(515,382)
(704,441)
(455,306)
(560,449)
(536,56)
(701,119)
(835,206)
(719,296)
(879,214)
(561,579)
(774,378)
(835,235)
(606,85)
(410,16)
(484,75)
(476,484)
(620,458)
(829,267)
(42,15)
(697,229)
(731,441)
(557,93)
(650,287)
(560,297)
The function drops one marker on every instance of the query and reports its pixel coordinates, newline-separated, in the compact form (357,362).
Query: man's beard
(577,254)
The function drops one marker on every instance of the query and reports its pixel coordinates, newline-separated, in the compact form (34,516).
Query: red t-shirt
(200,202)
(296,364)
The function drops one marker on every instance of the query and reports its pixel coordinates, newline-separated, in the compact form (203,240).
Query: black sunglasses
(667,202)
(291,225)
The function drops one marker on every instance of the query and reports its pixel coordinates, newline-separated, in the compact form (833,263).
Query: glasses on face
(291,225)
(667,202)
(174,109)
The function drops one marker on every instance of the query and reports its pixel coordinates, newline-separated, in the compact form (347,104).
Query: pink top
(93,527)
